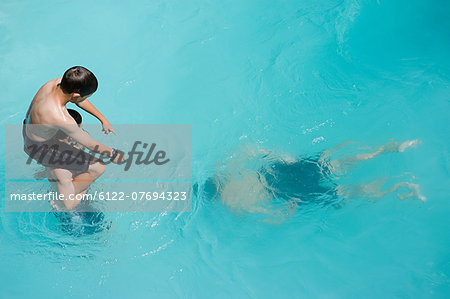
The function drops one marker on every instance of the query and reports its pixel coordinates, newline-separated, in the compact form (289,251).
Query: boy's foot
(414,192)
(410,143)
(400,146)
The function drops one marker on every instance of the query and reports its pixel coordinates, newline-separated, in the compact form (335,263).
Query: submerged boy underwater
(267,183)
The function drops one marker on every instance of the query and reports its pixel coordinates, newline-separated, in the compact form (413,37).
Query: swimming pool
(295,77)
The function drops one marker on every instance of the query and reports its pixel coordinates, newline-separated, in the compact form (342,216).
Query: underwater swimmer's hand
(107,128)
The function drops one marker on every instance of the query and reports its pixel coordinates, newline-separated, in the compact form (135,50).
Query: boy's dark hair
(80,80)
(76,116)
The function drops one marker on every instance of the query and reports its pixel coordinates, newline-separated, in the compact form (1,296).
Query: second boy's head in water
(61,136)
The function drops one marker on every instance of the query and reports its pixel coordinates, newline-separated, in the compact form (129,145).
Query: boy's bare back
(47,110)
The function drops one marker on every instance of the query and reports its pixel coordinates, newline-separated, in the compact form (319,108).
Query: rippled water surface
(264,84)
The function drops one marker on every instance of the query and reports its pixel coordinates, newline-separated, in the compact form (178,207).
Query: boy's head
(76,116)
(60,135)
(79,80)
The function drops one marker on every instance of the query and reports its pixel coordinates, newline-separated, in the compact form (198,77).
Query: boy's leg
(82,181)
(54,182)
(342,166)
(374,190)
(64,185)
(67,184)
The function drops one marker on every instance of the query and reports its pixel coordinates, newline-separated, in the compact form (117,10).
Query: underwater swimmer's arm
(88,107)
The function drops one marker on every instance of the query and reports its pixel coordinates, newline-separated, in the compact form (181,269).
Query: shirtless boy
(47,115)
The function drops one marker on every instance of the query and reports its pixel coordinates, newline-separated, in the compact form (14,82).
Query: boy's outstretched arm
(88,107)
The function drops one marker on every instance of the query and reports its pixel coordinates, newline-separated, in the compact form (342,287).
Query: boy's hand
(119,158)
(107,128)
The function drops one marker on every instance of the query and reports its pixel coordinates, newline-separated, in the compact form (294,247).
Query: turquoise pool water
(292,77)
